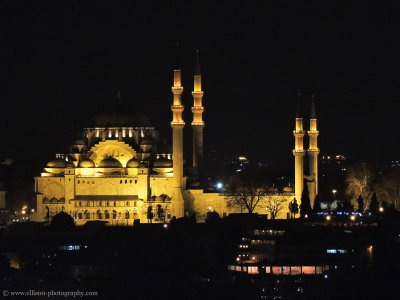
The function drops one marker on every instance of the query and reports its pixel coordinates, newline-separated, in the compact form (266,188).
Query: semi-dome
(147,141)
(163,163)
(86,163)
(57,163)
(110,162)
(132,163)
(70,164)
(116,115)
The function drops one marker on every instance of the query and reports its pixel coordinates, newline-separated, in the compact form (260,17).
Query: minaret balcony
(198,123)
(177,108)
(299,152)
(178,123)
(197,109)
(177,89)
(313,151)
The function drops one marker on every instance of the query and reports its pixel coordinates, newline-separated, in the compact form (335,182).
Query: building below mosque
(122,170)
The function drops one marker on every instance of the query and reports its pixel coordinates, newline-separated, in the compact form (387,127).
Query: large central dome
(119,115)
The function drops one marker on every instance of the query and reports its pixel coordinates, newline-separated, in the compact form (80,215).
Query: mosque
(123,170)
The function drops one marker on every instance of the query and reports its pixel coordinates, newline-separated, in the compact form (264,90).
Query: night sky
(61,61)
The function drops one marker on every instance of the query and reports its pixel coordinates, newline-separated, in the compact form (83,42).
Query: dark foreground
(183,261)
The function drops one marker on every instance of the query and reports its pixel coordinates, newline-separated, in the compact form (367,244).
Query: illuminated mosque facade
(123,170)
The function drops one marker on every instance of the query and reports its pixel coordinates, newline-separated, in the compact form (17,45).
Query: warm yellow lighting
(334,192)
(328,217)
(353,217)
(23,212)
(381,209)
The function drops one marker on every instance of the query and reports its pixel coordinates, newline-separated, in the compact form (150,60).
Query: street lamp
(334,193)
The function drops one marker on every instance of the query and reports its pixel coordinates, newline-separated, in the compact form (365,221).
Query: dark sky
(61,61)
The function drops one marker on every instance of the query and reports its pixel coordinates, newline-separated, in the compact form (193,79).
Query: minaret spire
(197,110)
(177,125)
(313,152)
(298,152)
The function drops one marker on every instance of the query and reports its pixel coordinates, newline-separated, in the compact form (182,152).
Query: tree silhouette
(293,208)
(360,202)
(305,206)
(245,190)
(317,204)
(374,205)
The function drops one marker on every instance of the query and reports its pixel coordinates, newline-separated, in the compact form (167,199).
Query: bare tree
(244,190)
(273,203)
(359,182)
(389,188)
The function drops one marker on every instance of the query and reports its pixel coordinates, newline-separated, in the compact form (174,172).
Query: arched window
(119,215)
(114,216)
(99,215)
(127,215)
(87,215)
(106,215)
(79,215)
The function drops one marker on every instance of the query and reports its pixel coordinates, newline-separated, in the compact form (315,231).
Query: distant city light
(328,217)
(353,217)
(381,209)
(219,185)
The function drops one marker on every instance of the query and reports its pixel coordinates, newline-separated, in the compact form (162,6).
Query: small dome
(132,163)
(163,163)
(288,189)
(273,189)
(86,163)
(147,141)
(57,163)
(110,162)
(70,164)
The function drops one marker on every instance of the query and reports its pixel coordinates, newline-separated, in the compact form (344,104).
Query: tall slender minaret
(298,153)
(177,125)
(313,152)
(198,123)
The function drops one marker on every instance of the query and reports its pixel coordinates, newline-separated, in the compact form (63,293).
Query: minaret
(298,153)
(313,152)
(198,123)
(177,125)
